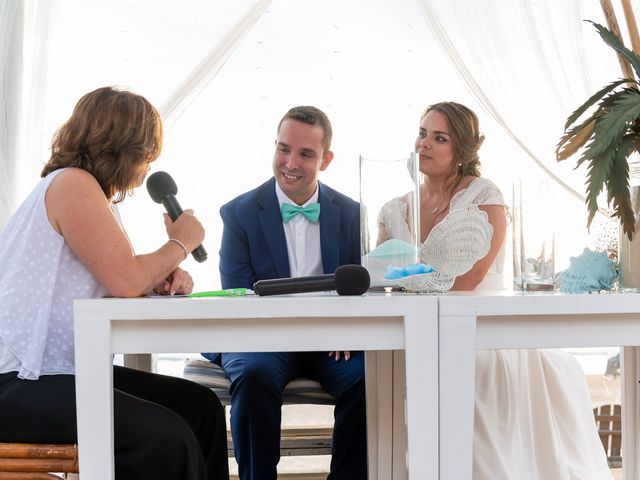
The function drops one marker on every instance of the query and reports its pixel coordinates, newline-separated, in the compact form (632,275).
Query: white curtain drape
(223,72)
(525,62)
(34,136)
(11,12)
(529,65)
(207,69)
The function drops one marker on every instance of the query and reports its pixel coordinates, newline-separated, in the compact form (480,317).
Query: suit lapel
(329,230)
(271,225)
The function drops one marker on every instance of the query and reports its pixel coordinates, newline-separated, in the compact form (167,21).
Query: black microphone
(163,189)
(348,280)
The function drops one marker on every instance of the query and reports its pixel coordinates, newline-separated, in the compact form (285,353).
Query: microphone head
(160,185)
(352,280)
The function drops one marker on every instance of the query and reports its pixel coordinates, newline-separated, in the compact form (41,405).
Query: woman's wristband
(175,240)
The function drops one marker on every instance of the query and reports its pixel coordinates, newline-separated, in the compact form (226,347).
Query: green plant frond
(574,139)
(605,140)
(613,122)
(614,42)
(599,171)
(603,108)
(618,185)
(594,98)
(619,173)
(594,149)
(604,104)
(580,161)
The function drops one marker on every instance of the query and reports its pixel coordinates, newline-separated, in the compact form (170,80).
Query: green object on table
(228,292)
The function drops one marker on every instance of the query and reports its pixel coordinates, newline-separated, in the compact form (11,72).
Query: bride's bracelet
(175,240)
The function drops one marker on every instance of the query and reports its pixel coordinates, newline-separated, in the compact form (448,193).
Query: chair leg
(28,476)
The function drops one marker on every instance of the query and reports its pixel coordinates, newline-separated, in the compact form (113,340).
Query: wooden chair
(19,461)
(609,422)
(22,461)
(293,441)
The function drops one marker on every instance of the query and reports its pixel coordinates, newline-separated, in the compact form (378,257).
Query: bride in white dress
(533,415)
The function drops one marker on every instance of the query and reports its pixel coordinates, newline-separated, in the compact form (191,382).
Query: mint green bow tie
(311,211)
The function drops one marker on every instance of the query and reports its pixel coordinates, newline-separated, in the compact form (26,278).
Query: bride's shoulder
(465,183)
(478,191)
(481,183)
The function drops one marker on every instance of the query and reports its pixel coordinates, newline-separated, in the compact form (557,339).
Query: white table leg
(421,350)
(630,364)
(378,369)
(371,389)
(94,386)
(457,393)
(399,412)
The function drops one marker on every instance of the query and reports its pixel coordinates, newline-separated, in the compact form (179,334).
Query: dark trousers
(164,427)
(257,383)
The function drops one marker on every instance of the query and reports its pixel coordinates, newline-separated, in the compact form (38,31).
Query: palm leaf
(594,98)
(604,104)
(607,138)
(580,161)
(574,139)
(614,42)
(618,185)
(613,122)
(599,171)
(624,149)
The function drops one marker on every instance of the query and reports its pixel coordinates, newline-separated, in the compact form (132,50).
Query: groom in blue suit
(292,226)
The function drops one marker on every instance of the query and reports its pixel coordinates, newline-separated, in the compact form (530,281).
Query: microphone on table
(163,189)
(348,280)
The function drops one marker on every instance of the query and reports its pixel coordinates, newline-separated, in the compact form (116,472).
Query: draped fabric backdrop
(10,88)
(223,72)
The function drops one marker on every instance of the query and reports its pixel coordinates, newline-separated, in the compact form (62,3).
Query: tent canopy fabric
(223,72)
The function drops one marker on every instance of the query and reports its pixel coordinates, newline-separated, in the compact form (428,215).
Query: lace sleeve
(392,221)
(491,195)
(479,192)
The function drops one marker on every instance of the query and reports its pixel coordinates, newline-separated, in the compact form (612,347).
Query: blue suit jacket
(253,241)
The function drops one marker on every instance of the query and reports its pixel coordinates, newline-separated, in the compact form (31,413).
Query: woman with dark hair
(533,417)
(66,242)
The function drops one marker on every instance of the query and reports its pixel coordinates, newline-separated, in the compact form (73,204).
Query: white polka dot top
(40,279)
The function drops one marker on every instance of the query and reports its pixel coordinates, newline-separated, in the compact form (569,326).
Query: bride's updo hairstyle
(466,139)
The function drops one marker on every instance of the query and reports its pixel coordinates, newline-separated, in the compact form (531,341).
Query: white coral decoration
(454,245)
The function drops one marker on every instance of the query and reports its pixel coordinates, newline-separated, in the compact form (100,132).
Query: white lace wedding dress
(533,414)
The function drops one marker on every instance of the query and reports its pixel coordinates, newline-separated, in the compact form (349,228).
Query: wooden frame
(609,422)
(36,461)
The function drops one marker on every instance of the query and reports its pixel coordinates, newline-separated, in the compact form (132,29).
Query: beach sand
(604,389)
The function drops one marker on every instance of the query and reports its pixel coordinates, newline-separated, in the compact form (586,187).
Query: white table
(506,320)
(283,323)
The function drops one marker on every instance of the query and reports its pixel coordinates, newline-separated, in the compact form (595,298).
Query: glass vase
(389,200)
(533,236)
(629,250)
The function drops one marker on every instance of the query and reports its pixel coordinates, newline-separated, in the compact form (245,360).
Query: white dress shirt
(303,239)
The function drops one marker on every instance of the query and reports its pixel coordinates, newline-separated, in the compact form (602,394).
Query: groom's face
(299,158)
